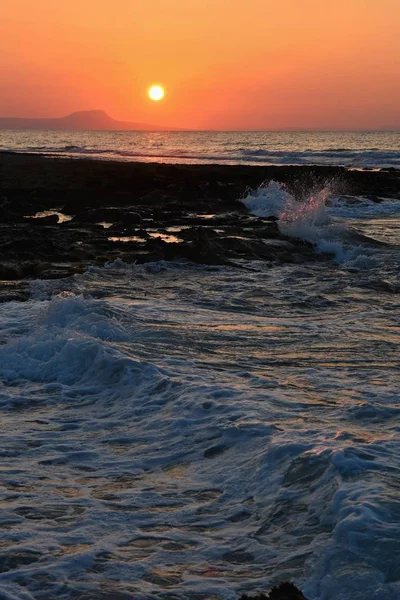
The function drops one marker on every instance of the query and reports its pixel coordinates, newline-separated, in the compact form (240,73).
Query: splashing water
(304,219)
(308,220)
(295,218)
(267,200)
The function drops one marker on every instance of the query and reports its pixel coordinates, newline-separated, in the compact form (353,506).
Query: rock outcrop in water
(284,591)
(61,215)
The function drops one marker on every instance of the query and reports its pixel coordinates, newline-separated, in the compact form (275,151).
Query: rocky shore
(58,216)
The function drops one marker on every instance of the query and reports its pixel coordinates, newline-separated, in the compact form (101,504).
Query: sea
(351,149)
(174,431)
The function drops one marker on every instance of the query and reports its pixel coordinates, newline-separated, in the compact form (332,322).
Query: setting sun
(156,92)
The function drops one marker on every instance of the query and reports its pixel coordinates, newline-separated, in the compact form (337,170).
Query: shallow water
(174,431)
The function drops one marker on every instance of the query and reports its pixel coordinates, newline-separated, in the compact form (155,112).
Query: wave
(315,220)
(373,157)
(75,346)
(324,152)
(216,447)
(346,157)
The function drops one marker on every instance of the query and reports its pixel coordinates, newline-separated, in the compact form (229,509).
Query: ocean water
(173,431)
(357,150)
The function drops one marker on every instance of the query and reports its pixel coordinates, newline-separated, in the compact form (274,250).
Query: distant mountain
(79,121)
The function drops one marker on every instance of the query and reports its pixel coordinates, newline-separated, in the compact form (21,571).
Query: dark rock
(9,271)
(41,221)
(284,591)
(11,291)
(136,197)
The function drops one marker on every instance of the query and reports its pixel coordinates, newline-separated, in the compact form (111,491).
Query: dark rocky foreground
(147,212)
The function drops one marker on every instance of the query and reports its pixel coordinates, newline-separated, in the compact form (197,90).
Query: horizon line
(165,129)
(152,128)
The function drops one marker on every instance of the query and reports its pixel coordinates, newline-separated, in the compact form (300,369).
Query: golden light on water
(156,92)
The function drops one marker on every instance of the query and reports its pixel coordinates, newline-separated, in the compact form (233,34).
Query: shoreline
(353,175)
(146,212)
(107,156)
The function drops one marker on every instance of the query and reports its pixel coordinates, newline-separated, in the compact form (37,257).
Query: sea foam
(199,433)
(315,219)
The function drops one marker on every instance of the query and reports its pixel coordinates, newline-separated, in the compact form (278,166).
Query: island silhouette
(79,121)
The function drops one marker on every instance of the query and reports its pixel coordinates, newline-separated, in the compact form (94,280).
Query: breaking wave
(199,432)
(319,219)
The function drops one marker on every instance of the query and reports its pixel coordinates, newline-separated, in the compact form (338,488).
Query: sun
(156,92)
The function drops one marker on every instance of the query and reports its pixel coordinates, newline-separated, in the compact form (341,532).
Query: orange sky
(225,64)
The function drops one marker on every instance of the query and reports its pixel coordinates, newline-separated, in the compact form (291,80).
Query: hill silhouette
(78,121)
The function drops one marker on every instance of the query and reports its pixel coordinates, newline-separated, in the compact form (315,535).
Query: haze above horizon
(225,64)
(99,120)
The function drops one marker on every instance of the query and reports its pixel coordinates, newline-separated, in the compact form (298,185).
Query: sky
(225,64)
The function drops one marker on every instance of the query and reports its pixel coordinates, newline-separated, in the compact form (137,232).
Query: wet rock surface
(58,216)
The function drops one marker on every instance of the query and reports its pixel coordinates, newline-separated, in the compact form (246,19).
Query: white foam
(315,219)
(74,345)
(148,436)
